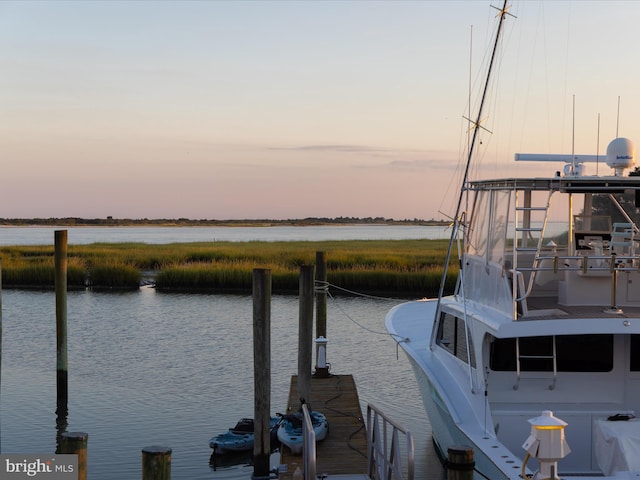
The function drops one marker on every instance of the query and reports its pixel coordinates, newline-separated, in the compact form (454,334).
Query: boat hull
(446,433)
(408,323)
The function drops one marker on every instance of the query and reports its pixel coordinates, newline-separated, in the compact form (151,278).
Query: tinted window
(635,354)
(574,353)
(451,337)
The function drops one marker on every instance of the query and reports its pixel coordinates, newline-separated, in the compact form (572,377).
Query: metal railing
(309,449)
(385,455)
(584,263)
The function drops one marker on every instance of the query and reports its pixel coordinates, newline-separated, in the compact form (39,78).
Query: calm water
(84,235)
(149,368)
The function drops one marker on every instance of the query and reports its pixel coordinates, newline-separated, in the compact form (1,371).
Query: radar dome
(621,154)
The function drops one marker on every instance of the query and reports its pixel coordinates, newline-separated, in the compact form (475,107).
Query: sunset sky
(293,109)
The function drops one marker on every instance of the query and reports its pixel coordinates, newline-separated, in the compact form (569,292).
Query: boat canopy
(510,257)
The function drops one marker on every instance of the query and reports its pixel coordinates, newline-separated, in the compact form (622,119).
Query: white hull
(447,433)
(497,463)
(454,402)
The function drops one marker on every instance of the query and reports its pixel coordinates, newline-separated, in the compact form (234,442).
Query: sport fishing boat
(532,359)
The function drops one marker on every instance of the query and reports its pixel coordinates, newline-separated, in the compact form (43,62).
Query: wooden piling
(156,463)
(0,334)
(76,443)
(460,463)
(261,371)
(305,333)
(62,382)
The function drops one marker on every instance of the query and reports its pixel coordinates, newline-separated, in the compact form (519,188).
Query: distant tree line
(110,221)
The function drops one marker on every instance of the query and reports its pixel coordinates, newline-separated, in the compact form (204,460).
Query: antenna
(470,74)
(573,136)
(598,146)
(618,117)
(503,12)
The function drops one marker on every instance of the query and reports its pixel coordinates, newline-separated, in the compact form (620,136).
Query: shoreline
(125,222)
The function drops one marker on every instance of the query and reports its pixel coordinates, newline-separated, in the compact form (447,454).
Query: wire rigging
(323,287)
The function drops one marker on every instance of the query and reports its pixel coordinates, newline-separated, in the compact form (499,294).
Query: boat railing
(309,450)
(385,449)
(587,266)
(584,263)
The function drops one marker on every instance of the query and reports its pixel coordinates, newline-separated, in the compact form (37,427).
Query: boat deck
(344,451)
(547,308)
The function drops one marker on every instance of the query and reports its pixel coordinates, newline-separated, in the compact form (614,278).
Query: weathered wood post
(62,382)
(75,443)
(460,463)
(305,333)
(0,333)
(321,370)
(261,371)
(156,463)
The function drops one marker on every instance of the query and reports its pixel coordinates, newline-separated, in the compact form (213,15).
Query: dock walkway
(344,451)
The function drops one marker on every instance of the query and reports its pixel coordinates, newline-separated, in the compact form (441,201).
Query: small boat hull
(241,437)
(290,430)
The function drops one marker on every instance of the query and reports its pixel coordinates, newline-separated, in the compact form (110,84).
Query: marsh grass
(39,272)
(399,267)
(113,275)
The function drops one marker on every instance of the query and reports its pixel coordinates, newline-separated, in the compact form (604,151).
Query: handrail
(586,263)
(384,449)
(309,449)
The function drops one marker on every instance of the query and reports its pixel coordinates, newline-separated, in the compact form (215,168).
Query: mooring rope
(323,287)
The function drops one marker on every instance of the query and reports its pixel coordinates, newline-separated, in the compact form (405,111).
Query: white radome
(621,154)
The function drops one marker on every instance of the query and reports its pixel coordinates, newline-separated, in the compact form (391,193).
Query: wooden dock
(344,451)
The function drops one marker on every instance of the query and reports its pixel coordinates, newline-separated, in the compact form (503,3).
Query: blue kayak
(290,430)
(240,437)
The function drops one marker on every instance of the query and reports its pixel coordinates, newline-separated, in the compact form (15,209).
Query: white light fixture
(547,444)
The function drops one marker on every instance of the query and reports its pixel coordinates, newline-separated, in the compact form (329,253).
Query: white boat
(290,430)
(541,333)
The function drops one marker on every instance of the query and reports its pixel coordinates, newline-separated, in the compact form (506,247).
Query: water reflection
(232,459)
(62,422)
(171,369)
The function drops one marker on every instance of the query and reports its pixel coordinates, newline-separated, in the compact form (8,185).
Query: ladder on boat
(553,357)
(530,224)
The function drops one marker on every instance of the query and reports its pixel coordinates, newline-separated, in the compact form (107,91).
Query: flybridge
(620,156)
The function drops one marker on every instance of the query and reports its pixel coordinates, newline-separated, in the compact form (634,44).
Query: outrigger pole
(503,13)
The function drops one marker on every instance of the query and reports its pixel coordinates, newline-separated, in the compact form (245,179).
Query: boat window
(574,353)
(634,364)
(451,337)
(488,232)
(498,225)
(478,233)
